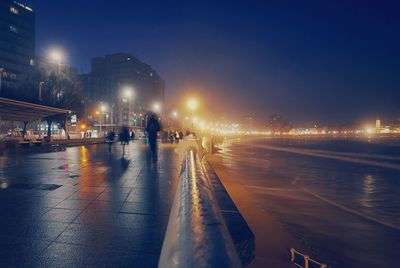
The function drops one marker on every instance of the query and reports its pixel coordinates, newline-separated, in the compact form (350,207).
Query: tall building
(111,73)
(17,43)
(377,124)
(105,86)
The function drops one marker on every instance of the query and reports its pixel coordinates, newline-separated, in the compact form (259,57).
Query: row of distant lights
(227,130)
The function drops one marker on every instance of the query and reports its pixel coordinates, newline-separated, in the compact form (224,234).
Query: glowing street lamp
(192,105)
(57,55)
(174,116)
(157,107)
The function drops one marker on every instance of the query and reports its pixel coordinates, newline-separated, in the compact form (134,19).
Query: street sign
(73,118)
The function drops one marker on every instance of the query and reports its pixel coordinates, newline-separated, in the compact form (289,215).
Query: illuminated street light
(57,55)
(192,104)
(128,91)
(175,114)
(157,107)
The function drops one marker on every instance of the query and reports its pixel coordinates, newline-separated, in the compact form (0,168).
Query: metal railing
(307,260)
(196,235)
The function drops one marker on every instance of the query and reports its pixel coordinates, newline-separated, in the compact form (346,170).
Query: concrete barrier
(196,235)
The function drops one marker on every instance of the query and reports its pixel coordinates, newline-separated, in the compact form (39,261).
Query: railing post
(306,261)
(292,254)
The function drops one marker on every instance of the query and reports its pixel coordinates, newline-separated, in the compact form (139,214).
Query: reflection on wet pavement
(106,211)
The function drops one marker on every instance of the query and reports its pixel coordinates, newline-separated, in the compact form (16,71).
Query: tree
(61,91)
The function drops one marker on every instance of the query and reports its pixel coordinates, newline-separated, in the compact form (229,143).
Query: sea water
(340,197)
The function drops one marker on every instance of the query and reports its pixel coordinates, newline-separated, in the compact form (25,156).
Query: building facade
(17,43)
(111,74)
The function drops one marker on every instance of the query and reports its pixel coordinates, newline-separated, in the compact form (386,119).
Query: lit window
(13,29)
(128,58)
(32,62)
(14,10)
(23,6)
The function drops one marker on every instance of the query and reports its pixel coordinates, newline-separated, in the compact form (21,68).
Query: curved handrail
(196,234)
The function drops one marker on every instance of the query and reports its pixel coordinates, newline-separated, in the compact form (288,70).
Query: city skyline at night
(327,62)
(180,134)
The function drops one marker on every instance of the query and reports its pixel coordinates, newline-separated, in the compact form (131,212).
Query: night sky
(331,61)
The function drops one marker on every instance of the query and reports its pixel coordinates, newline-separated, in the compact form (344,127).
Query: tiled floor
(109,211)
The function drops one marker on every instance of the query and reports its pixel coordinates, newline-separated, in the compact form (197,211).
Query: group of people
(174,136)
(124,136)
(152,129)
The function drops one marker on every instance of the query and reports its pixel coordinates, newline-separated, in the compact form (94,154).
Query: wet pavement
(85,207)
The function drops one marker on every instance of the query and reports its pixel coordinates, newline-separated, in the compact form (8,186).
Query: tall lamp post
(57,55)
(174,117)
(128,93)
(41,83)
(103,108)
(192,105)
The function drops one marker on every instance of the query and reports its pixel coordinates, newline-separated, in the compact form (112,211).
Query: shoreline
(272,240)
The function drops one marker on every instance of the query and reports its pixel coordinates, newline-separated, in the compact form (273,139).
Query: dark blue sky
(332,61)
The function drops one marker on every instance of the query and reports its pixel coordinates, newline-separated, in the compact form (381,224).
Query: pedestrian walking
(110,138)
(124,138)
(153,127)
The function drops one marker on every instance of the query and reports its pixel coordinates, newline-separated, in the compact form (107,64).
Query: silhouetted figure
(171,136)
(124,138)
(110,138)
(125,135)
(153,127)
(120,137)
(132,135)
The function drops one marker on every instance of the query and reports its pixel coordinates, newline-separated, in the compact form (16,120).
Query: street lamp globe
(56,55)
(192,104)
(157,107)
(128,91)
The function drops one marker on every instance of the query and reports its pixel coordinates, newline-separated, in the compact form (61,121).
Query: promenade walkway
(85,207)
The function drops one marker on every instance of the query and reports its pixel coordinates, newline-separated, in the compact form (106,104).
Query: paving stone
(84,195)
(109,211)
(75,204)
(61,215)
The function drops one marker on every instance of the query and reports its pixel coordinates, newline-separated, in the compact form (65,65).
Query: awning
(13,110)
